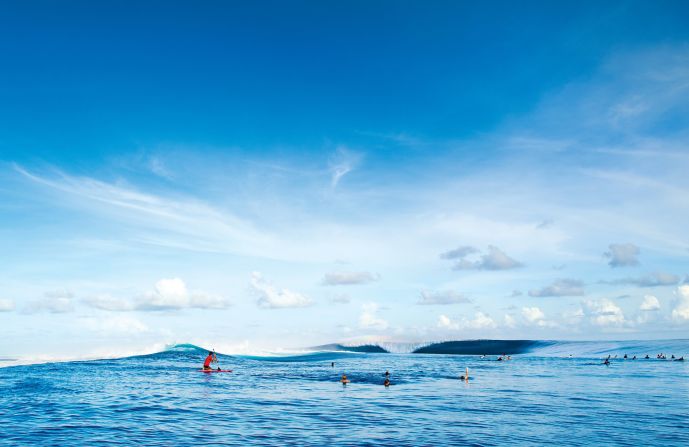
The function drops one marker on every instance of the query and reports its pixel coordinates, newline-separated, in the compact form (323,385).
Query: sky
(271,175)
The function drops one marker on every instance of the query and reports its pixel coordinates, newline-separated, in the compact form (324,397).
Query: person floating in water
(386,382)
(387,373)
(344,379)
(212,358)
(647,357)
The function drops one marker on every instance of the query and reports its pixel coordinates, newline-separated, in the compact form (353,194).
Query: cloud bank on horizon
(411,185)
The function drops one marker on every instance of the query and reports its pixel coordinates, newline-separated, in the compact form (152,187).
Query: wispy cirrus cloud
(341,163)
(211,229)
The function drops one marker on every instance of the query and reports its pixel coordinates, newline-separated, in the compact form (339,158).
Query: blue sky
(280,174)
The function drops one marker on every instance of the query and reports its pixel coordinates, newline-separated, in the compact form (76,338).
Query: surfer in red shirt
(210,359)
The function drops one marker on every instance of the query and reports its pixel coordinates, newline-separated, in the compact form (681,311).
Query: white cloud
(532,314)
(6,305)
(172,294)
(560,287)
(56,301)
(480,321)
(348,278)
(168,294)
(650,303)
(445,323)
(459,253)
(603,313)
(369,318)
(623,255)
(495,259)
(271,297)
(442,297)
(653,280)
(680,312)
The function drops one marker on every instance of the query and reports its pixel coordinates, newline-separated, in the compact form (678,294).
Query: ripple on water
(526,401)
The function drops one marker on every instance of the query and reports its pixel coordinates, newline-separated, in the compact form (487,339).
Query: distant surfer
(386,382)
(607,361)
(332,364)
(212,358)
(387,373)
(344,379)
(465,377)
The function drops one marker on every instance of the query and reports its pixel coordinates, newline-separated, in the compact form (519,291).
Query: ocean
(549,393)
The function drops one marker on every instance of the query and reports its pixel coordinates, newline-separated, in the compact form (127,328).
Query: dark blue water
(534,399)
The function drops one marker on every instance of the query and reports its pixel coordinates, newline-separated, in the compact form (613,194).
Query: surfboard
(214,370)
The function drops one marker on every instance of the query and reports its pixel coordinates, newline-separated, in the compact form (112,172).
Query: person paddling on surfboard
(210,359)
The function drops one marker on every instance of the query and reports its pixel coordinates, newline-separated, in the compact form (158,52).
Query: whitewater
(550,392)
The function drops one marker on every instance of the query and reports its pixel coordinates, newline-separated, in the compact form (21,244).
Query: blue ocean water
(539,397)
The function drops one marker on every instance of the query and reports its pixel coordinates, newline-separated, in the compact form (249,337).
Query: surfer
(332,364)
(607,361)
(386,382)
(466,375)
(212,358)
(647,357)
(387,373)
(344,379)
